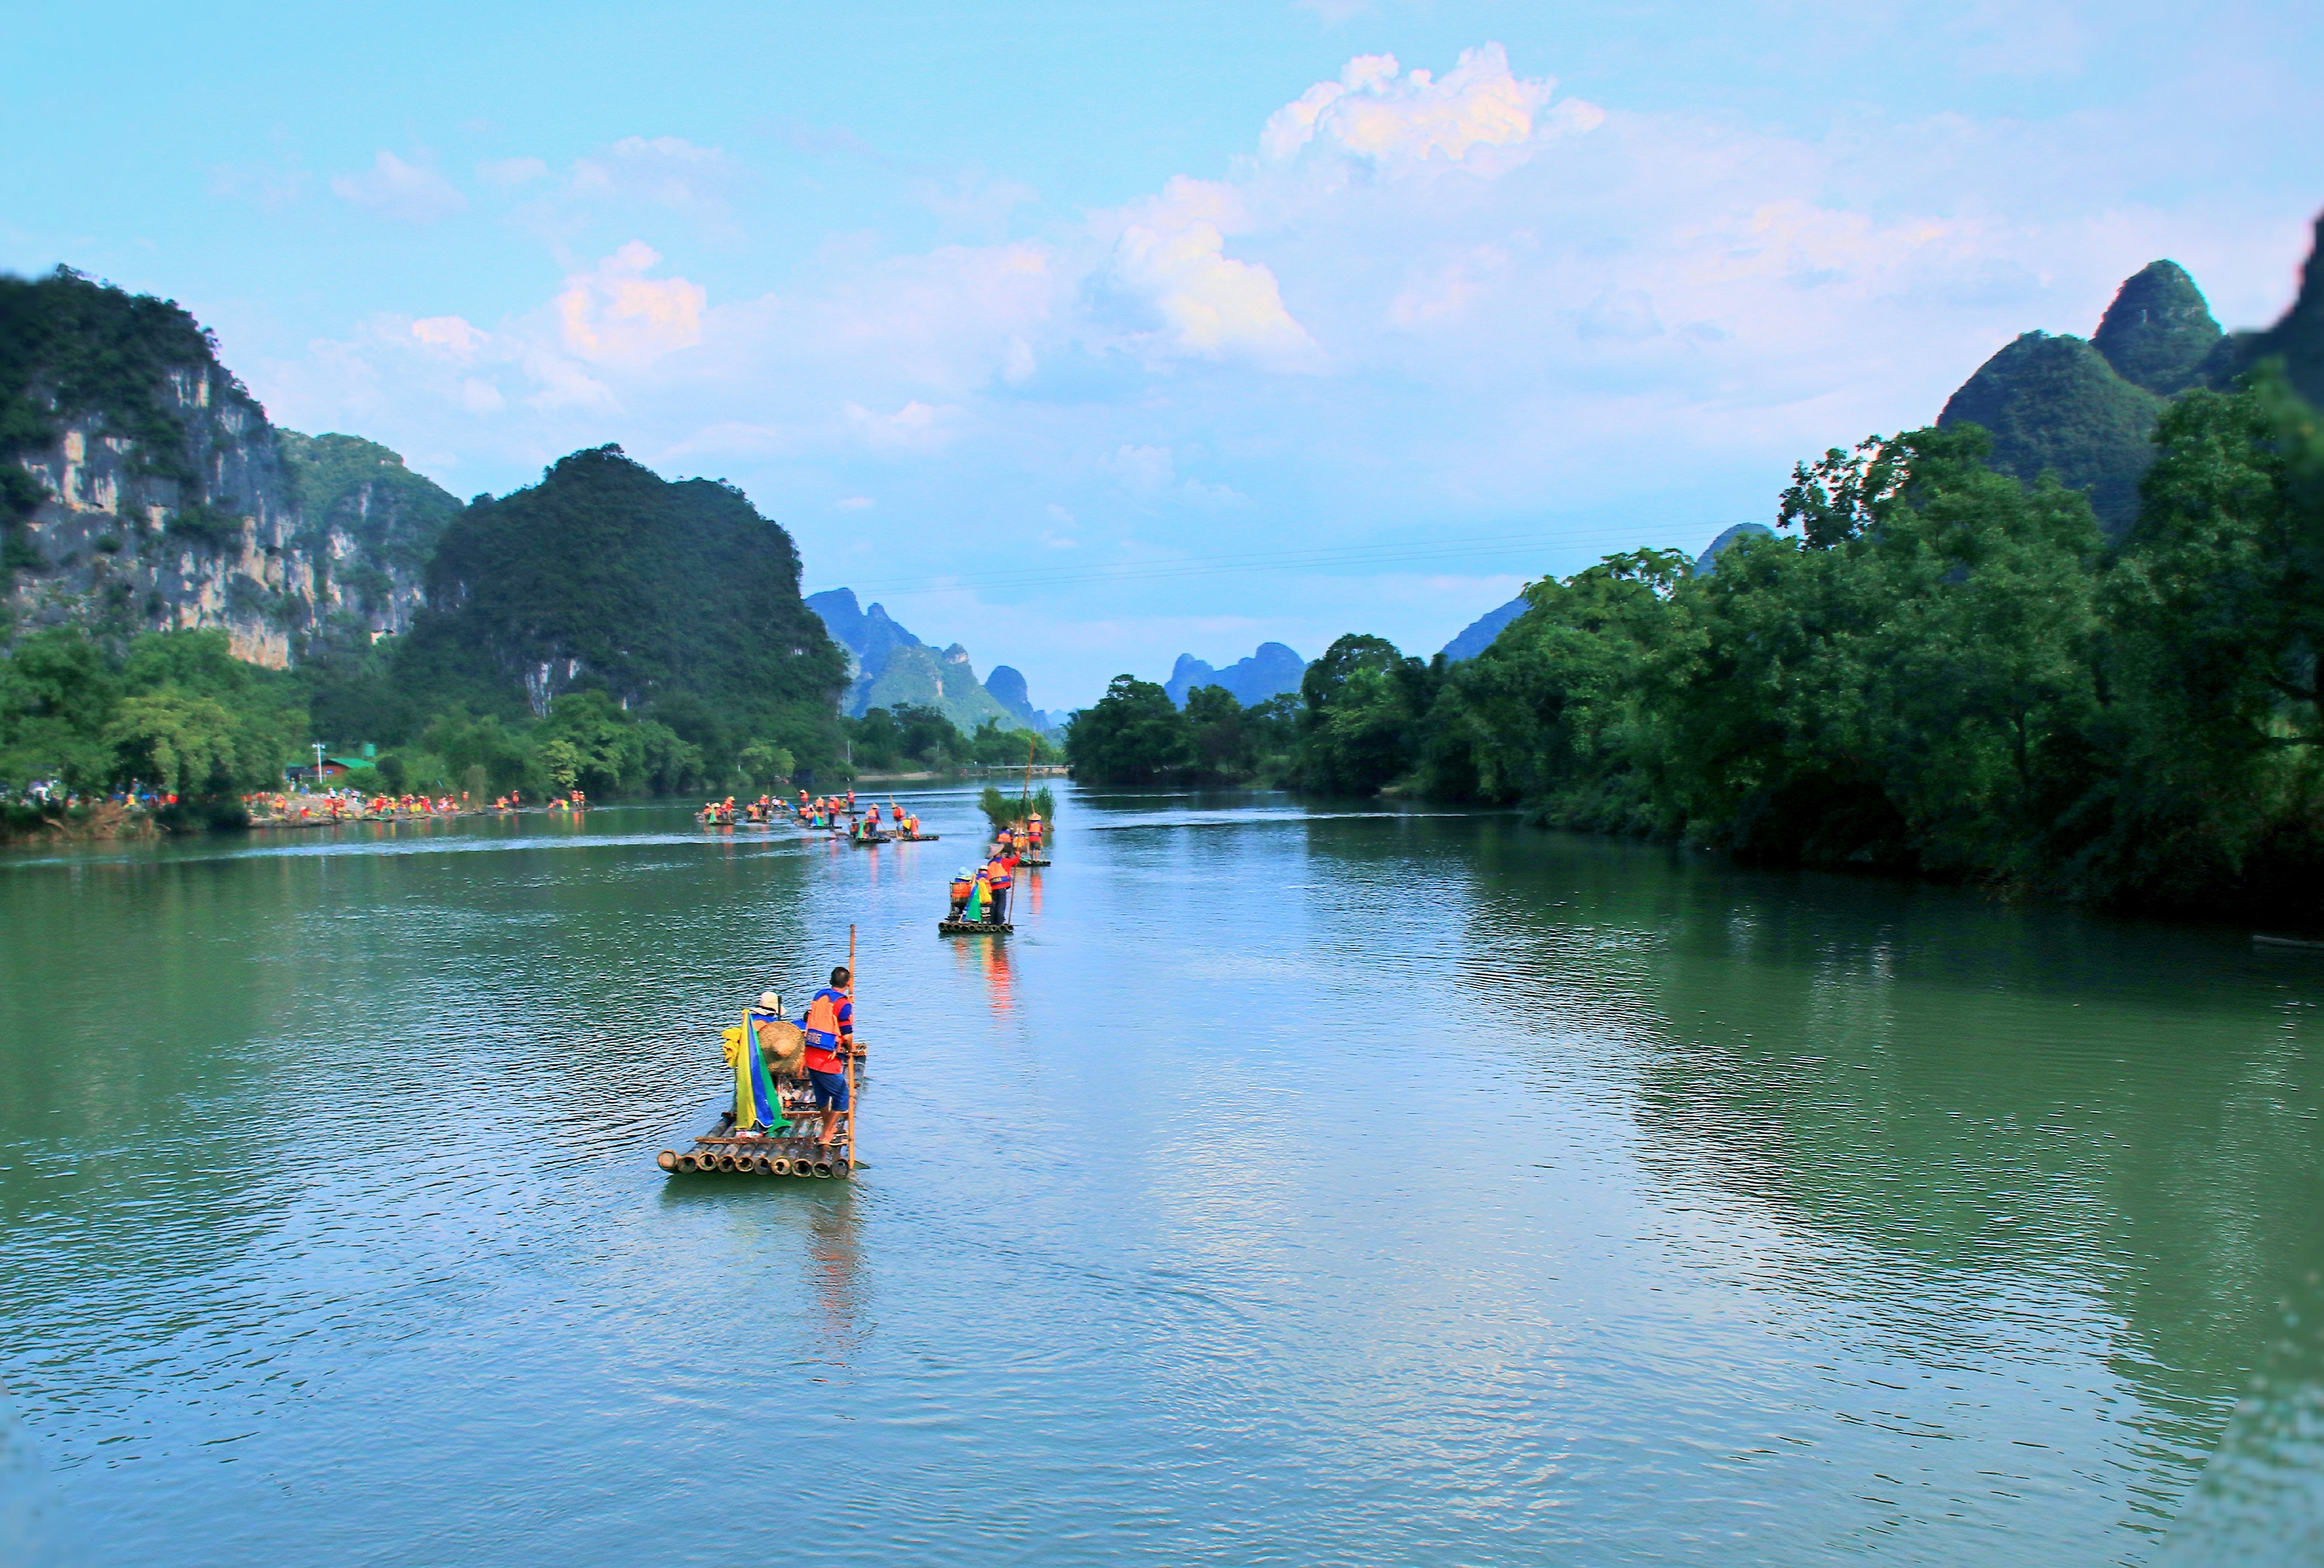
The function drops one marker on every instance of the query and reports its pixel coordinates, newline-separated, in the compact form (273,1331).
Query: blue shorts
(830,1090)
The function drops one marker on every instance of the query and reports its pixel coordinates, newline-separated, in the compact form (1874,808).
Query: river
(1300,1184)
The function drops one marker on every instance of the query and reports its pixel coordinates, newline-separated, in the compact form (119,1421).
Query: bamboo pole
(851,1054)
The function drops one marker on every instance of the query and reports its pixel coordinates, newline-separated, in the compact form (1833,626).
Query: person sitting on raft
(830,1040)
(963,884)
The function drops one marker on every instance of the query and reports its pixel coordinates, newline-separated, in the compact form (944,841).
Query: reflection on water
(1320,1187)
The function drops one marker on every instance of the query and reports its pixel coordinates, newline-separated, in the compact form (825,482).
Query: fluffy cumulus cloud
(1478,112)
(615,314)
(1172,254)
(392,187)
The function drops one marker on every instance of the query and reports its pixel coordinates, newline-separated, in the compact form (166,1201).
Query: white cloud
(414,192)
(1375,111)
(616,313)
(1449,290)
(1172,254)
(451,334)
(855,503)
(1145,469)
(915,427)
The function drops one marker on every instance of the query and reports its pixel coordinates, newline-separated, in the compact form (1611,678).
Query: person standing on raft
(998,878)
(830,1025)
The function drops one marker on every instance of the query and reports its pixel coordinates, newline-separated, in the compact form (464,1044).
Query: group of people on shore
(980,896)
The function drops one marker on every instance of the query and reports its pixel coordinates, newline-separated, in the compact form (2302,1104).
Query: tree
(57,692)
(1134,734)
(2214,610)
(1364,701)
(192,745)
(1553,711)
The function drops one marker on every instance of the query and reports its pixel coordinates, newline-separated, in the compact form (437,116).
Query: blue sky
(1089,336)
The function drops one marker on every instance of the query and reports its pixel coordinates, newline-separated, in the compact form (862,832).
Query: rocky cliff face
(149,492)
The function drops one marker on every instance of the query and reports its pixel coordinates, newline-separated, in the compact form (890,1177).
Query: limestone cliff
(146,489)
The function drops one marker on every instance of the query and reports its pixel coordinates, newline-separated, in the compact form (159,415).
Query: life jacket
(961,887)
(823,1025)
(997,874)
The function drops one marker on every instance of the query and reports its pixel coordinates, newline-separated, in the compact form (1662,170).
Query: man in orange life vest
(830,1025)
(999,878)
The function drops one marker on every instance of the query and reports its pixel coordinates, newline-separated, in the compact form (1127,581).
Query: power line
(1460,550)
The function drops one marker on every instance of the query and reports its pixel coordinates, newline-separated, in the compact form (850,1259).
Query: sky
(1089,336)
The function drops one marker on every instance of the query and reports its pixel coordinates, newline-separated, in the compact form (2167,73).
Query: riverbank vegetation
(1934,669)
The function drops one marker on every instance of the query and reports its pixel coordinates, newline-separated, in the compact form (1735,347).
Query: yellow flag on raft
(757,1107)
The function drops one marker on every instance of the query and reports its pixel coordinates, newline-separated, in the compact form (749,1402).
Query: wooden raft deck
(974,928)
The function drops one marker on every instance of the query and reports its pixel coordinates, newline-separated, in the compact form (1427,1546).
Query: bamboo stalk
(851,1045)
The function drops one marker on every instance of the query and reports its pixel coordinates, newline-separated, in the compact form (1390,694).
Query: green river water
(1299,1185)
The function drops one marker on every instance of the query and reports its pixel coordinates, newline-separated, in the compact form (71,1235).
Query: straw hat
(770,1001)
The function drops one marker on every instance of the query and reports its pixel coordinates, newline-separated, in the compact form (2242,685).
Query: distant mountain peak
(2159,329)
(2053,404)
(1708,561)
(1477,635)
(1270,672)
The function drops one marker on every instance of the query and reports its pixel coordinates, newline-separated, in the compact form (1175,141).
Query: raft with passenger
(768,1129)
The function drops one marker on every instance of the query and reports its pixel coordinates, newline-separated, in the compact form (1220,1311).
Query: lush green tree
(995,744)
(1905,686)
(1553,711)
(605,751)
(57,692)
(1364,702)
(487,755)
(1134,734)
(907,738)
(763,763)
(2214,612)
(193,744)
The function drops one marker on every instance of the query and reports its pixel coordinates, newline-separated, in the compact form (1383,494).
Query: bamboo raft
(974,928)
(727,1154)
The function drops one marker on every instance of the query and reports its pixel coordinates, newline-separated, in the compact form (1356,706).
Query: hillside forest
(604,628)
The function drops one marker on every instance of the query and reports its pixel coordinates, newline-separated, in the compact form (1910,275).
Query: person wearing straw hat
(782,1045)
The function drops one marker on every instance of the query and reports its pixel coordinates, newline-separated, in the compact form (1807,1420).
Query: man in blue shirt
(830,1025)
